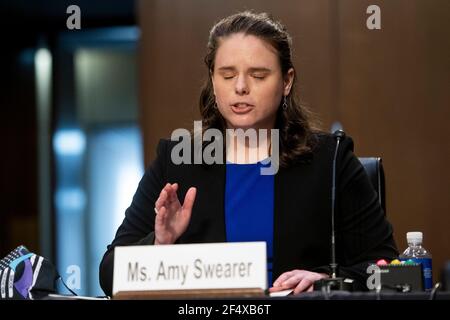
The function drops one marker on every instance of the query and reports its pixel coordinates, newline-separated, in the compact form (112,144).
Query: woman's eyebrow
(227,68)
(259,69)
(252,69)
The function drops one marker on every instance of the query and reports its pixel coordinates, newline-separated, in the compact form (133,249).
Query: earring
(285,104)
(215,105)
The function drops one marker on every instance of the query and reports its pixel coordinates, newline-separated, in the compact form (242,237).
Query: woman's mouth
(241,108)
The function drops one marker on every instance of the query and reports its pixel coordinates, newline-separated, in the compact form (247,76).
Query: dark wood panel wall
(389,88)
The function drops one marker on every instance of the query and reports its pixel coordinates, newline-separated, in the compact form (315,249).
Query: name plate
(232,265)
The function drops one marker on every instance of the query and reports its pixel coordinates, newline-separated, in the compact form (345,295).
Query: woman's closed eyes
(258,76)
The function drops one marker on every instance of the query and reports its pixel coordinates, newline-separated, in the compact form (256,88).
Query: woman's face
(248,82)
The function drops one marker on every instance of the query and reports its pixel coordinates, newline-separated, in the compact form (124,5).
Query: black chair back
(374,169)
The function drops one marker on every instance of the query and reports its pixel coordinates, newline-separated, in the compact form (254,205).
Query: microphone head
(339,134)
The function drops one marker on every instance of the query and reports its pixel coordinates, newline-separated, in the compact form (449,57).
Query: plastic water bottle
(418,254)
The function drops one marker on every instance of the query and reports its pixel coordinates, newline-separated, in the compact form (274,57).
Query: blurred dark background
(82,110)
(33,177)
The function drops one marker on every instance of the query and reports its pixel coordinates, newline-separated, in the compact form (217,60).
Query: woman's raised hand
(172,218)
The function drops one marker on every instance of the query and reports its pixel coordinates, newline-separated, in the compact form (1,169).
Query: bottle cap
(415,237)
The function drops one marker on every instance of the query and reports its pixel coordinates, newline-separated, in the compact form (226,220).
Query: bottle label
(427,271)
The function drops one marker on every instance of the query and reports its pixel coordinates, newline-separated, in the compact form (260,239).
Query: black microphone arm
(334,282)
(338,135)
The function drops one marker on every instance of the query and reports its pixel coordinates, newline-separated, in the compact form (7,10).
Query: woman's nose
(241,85)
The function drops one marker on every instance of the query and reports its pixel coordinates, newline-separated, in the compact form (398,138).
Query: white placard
(232,265)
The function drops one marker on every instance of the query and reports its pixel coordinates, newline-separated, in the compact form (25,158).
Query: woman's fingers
(282,278)
(168,198)
(170,193)
(276,289)
(304,285)
(299,280)
(189,202)
(161,216)
(172,219)
(293,280)
(163,195)
(162,236)
(174,203)
(175,188)
(160,201)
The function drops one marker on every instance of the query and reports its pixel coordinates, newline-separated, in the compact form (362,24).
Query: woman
(251,85)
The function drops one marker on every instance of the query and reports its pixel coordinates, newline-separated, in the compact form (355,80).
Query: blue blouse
(249,206)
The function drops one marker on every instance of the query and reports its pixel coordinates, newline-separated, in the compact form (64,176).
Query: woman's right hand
(172,218)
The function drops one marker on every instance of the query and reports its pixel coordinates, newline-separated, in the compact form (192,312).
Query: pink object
(382,262)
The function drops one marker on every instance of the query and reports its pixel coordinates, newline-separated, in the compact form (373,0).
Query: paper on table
(53,296)
(281,293)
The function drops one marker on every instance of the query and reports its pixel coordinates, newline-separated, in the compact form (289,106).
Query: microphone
(334,282)
(338,136)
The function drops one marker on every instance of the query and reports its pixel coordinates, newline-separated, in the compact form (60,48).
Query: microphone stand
(334,282)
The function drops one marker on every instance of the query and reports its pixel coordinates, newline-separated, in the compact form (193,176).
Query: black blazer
(302,212)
